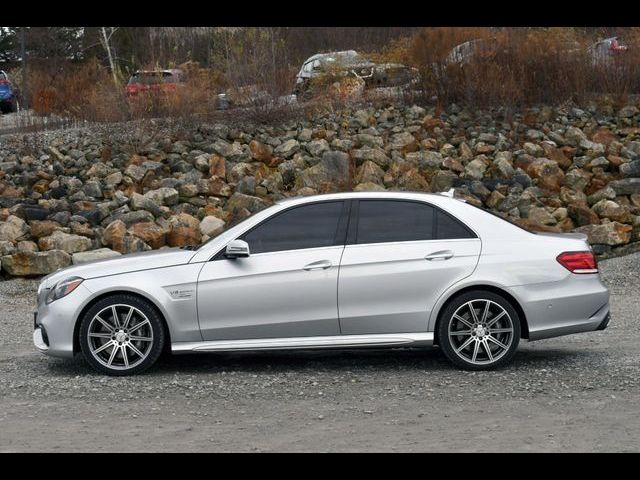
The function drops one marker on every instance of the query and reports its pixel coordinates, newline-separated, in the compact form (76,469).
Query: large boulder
(330,174)
(150,233)
(631,169)
(259,152)
(375,155)
(211,226)
(549,175)
(184,229)
(369,172)
(541,216)
(611,210)
(114,234)
(68,242)
(612,233)
(43,228)
(239,201)
(25,264)
(13,229)
(93,255)
(287,148)
(626,186)
(582,215)
(163,196)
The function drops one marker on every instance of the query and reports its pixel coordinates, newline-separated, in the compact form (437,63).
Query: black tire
(453,346)
(153,332)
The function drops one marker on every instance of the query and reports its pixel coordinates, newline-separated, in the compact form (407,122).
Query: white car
(388,269)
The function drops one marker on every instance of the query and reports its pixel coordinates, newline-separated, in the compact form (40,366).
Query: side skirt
(337,341)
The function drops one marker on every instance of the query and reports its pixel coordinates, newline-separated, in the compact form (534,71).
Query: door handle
(440,255)
(321,264)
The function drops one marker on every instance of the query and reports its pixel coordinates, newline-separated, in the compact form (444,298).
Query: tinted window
(449,227)
(308,226)
(394,221)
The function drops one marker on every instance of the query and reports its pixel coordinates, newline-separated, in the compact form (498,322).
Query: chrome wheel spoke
(497,342)
(128,319)
(460,319)
(496,318)
(101,348)
(501,330)
(125,359)
(135,350)
(460,332)
(100,335)
(476,348)
(135,338)
(141,324)
(485,344)
(104,324)
(116,321)
(473,312)
(113,354)
(464,345)
(485,313)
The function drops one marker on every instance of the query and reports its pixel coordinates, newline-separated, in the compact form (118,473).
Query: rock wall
(76,195)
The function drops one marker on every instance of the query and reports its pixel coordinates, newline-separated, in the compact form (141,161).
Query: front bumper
(54,324)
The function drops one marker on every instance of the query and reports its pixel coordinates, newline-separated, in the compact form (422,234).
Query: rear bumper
(580,303)
(605,323)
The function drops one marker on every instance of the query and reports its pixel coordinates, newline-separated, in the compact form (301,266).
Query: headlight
(63,288)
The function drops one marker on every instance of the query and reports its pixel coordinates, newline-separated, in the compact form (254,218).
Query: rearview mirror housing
(237,249)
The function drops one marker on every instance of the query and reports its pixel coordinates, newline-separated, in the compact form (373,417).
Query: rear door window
(381,221)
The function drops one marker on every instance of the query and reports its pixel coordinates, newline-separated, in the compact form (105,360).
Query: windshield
(151,78)
(344,59)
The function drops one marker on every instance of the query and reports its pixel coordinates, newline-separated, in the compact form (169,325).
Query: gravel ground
(574,393)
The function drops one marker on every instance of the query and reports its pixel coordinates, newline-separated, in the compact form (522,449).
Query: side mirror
(237,249)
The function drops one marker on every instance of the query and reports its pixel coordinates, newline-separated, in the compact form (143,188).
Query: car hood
(131,262)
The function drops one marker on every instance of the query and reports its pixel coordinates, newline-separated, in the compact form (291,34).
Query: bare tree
(105,40)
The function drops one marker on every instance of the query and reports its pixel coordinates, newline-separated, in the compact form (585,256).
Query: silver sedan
(389,269)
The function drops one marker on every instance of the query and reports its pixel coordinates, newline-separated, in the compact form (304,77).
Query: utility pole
(23,57)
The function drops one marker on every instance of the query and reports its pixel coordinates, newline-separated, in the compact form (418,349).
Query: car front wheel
(121,335)
(479,330)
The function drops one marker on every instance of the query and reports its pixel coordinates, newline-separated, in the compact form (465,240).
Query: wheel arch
(112,293)
(446,300)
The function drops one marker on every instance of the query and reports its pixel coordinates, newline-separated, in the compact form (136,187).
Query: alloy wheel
(481,332)
(120,337)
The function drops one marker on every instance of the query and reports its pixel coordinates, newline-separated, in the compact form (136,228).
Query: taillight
(4,82)
(578,262)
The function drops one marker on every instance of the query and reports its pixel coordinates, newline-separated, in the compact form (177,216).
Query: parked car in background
(326,68)
(8,94)
(155,81)
(605,51)
(323,69)
(345,270)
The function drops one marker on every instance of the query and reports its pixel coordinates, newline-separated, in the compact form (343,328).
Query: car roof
(344,54)
(171,71)
(438,197)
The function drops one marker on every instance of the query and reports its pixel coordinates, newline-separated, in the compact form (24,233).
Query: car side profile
(346,270)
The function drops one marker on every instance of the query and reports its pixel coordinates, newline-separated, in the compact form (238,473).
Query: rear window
(152,78)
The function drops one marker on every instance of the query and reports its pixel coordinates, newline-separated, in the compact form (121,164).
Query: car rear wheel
(121,335)
(479,330)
